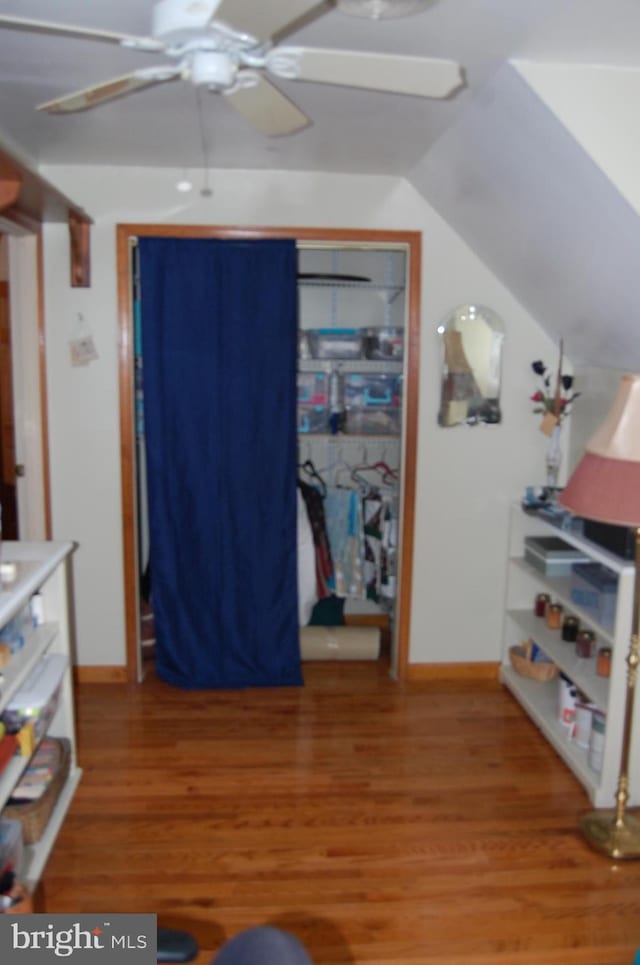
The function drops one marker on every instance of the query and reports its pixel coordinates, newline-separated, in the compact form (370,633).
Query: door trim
(412,242)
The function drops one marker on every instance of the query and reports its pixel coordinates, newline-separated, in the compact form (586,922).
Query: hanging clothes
(373,511)
(307,587)
(380,536)
(388,562)
(343,511)
(219,333)
(314,501)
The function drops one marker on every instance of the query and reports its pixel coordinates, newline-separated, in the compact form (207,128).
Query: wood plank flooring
(384,824)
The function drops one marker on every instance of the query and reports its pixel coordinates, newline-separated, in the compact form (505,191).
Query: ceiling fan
(228,46)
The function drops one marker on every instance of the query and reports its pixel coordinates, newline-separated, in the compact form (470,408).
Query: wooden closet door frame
(411,242)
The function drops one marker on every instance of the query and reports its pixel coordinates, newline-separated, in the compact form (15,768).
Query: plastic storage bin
(371,391)
(384,343)
(383,421)
(313,388)
(14,632)
(35,703)
(335,343)
(372,404)
(313,418)
(594,588)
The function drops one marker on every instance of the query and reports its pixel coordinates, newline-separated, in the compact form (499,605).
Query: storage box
(36,701)
(313,418)
(380,421)
(335,343)
(384,343)
(372,390)
(313,388)
(594,588)
(15,631)
(552,555)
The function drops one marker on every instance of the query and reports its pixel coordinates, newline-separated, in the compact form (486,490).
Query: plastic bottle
(336,400)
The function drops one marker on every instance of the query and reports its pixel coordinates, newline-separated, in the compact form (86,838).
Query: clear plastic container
(384,343)
(313,418)
(313,388)
(335,343)
(372,390)
(379,421)
(594,588)
(37,699)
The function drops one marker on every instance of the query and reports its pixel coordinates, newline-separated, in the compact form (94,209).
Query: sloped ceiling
(517,186)
(514,162)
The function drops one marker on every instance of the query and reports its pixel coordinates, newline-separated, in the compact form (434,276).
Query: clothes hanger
(334,468)
(387,472)
(308,467)
(380,468)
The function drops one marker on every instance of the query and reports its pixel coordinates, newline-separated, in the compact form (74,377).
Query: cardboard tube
(340,643)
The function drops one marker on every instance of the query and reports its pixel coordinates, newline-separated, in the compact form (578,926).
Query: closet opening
(357,394)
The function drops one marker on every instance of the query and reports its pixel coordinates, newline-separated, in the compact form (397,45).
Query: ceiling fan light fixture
(215,69)
(382,9)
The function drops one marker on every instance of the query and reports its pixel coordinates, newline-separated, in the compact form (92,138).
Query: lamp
(606,487)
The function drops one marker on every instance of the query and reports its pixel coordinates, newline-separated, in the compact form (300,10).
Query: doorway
(8,497)
(410,242)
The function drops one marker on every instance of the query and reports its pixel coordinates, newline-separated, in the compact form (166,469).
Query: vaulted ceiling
(532,162)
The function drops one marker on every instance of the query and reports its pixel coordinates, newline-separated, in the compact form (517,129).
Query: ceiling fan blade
(80,33)
(267,109)
(269,20)
(392,73)
(82,100)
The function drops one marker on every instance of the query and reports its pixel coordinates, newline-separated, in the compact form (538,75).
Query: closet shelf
(388,292)
(391,366)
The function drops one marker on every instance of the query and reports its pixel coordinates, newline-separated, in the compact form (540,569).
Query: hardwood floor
(384,824)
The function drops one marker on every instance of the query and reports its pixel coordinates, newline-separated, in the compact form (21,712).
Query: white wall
(467,477)
(598,104)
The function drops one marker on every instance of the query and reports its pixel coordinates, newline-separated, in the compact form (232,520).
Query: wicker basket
(522,663)
(34,815)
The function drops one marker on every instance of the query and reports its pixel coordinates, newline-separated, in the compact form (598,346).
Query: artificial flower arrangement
(554,404)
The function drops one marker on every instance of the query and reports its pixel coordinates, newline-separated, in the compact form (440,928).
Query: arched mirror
(471,338)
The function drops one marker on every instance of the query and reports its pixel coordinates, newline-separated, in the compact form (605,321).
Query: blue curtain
(219,337)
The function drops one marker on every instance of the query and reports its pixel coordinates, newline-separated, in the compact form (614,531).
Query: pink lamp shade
(605,485)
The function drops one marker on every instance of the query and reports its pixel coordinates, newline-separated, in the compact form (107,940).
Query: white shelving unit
(40,566)
(540,700)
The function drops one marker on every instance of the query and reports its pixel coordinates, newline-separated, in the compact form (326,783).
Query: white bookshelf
(40,567)
(540,700)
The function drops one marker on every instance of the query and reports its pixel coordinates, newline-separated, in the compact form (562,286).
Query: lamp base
(620,841)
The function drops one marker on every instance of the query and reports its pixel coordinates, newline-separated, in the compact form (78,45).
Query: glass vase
(553,462)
